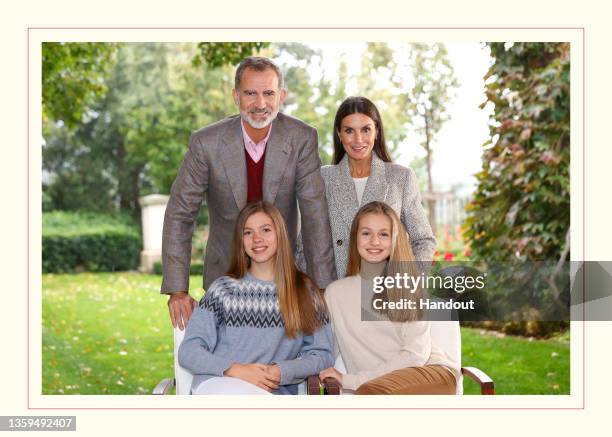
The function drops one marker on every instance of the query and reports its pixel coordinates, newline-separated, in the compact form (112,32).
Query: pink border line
(28,215)
(314,28)
(312,408)
(583,218)
(582,29)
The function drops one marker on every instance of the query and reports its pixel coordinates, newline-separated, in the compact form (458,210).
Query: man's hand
(331,372)
(256,374)
(180,306)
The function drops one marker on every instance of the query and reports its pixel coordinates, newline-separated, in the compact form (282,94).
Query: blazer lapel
(345,195)
(278,150)
(234,161)
(376,187)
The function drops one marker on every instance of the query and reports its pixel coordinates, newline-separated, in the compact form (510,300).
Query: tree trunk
(122,178)
(431,201)
(135,179)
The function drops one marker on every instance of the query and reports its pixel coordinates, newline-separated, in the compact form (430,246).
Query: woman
(385,350)
(264,326)
(362,172)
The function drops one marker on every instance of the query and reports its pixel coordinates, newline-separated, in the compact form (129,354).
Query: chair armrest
(164,386)
(487,386)
(332,386)
(313,386)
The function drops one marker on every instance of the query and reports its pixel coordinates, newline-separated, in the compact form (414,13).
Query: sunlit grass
(106,333)
(518,365)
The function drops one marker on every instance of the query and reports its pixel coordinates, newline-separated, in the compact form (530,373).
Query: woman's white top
(360,184)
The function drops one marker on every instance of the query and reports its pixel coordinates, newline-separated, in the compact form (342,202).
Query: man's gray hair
(257,63)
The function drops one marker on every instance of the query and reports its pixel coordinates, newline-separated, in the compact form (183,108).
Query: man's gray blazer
(214,168)
(390,183)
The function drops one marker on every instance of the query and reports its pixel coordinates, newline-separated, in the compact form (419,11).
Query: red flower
(467,252)
(448,256)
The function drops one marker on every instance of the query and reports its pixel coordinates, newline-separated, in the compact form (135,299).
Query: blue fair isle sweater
(239,320)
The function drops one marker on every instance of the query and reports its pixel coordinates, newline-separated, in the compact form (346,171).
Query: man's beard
(258,124)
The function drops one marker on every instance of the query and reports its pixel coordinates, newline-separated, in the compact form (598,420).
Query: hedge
(195,269)
(74,241)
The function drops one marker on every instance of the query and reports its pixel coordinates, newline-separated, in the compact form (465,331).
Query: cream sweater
(373,348)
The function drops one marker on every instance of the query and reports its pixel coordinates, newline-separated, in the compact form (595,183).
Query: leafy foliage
(520,212)
(217,55)
(73,78)
(89,241)
(521,208)
(135,141)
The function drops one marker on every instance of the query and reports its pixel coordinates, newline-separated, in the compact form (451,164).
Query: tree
(136,135)
(74,75)
(220,54)
(73,78)
(521,208)
(520,213)
(428,99)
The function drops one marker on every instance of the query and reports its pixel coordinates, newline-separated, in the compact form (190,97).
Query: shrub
(194,270)
(532,328)
(73,241)
(158,268)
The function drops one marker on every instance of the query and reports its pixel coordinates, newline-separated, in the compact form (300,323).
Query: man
(259,154)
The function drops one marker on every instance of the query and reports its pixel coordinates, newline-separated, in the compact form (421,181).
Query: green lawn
(106,333)
(517,365)
(109,333)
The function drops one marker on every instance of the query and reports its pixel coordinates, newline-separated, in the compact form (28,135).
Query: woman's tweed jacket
(390,183)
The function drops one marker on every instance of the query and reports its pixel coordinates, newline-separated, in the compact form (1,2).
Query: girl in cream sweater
(385,350)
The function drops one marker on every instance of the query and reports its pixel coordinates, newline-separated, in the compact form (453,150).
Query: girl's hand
(274,373)
(331,373)
(256,374)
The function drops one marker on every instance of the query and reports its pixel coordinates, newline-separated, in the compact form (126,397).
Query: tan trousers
(426,380)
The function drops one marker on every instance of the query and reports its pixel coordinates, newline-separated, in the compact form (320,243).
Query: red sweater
(254,177)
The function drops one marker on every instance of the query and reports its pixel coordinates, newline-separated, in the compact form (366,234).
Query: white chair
(447,336)
(182,377)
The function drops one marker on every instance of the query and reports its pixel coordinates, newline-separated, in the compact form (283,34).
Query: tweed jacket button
(339,242)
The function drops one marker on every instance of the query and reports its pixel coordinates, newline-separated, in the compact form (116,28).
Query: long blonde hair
(301,305)
(401,260)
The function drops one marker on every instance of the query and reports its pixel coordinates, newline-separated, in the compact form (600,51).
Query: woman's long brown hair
(401,260)
(301,305)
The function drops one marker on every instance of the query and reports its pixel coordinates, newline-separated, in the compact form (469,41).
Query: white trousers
(227,385)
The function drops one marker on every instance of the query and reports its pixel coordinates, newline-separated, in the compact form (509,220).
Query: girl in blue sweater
(264,327)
